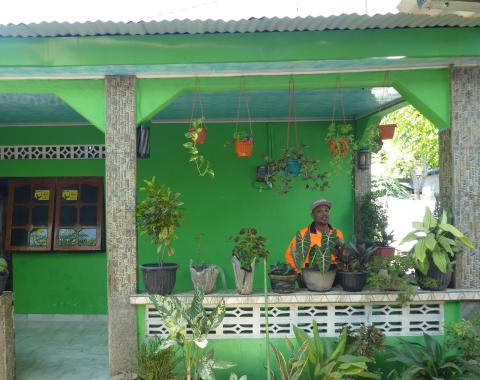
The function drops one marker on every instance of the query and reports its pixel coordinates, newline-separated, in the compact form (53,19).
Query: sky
(35,11)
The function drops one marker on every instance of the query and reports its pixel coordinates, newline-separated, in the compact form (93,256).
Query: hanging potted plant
(158,216)
(204,275)
(353,264)
(319,275)
(340,139)
(436,244)
(203,166)
(249,246)
(243,142)
(387,131)
(282,278)
(3,274)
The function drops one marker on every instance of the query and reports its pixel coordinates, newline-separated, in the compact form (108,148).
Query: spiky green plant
(155,363)
(291,370)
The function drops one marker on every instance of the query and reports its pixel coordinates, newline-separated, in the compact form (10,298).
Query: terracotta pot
(387,131)
(201,136)
(334,149)
(384,252)
(243,148)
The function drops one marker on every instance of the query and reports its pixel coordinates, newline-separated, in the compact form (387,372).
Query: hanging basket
(201,136)
(243,148)
(387,131)
(338,147)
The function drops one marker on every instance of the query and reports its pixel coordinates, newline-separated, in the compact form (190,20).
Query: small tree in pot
(249,246)
(436,244)
(3,274)
(318,276)
(158,215)
(353,266)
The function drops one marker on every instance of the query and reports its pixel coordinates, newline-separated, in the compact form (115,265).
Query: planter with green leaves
(249,248)
(158,216)
(353,266)
(3,274)
(243,142)
(319,275)
(436,244)
(282,278)
(196,136)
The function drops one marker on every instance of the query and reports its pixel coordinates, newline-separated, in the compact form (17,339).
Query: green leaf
(428,219)
(419,226)
(420,250)
(430,241)
(440,259)
(412,236)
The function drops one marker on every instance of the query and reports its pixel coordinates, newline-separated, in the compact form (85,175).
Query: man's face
(321,214)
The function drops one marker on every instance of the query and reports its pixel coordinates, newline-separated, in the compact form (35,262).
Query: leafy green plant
(356,257)
(341,141)
(436,242)
(155,363)
(374,142)
(310,173)
(291,370)
(233,376)
(202,165)
(374,221)
(390,274)
(158,215)
(281,269)
(3,266)
(176,316)
(319,255)
(366,341)
(431,362)
(465,337)
(242,135)
(248,246)
(331,362)
(388,186)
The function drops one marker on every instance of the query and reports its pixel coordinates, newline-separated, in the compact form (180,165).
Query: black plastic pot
(442,279)
(352,281)
(3,281)
(283,283)
(159,279)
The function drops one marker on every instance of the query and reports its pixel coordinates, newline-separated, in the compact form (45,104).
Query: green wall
(56,282)
(219,207)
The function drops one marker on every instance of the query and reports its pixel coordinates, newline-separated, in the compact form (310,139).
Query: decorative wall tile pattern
(52,152)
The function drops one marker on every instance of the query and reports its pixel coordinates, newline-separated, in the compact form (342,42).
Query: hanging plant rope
(196,136)
(243,140)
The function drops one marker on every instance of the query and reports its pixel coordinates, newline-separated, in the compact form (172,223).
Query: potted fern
(319,275)
(3,274)
(158,216)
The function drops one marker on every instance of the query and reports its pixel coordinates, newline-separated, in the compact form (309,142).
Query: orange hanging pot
(338,147)
(387,131)
(244,148)
(201,136)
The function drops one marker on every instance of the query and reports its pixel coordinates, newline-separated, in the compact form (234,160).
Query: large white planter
(317,281)
(243,279)
(204,279)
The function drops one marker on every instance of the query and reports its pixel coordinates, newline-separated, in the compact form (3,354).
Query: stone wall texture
(363,185)
(7,337)
(465,135)
(120,178)
(446,174)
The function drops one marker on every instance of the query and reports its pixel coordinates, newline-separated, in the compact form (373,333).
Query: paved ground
(61,350)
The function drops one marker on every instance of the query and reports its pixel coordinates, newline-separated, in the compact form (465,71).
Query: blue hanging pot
(293,168)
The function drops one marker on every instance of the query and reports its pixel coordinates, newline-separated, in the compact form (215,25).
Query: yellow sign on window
(70,195)
(42,195)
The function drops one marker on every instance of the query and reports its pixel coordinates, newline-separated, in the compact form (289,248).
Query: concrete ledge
(7,337)
(334,296)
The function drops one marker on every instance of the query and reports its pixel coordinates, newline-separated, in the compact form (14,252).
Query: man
(320,225)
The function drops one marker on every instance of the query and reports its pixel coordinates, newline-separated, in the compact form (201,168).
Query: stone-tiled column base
(465,144)
(7,337)
(120,175)
(363,185)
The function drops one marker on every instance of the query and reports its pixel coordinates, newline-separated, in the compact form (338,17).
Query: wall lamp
(363,159)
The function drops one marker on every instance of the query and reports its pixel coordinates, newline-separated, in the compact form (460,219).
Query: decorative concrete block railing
(7,337)
(52,152)
(244,316)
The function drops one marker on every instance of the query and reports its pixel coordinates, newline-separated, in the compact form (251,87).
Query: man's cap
(321,202)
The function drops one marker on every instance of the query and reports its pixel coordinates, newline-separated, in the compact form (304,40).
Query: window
(64,214)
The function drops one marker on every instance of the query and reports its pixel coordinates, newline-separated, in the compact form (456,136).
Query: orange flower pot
(201,136)
(334,147)
(387,131)
(243,148)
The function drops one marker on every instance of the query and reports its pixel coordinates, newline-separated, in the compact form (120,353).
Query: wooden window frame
(55,184)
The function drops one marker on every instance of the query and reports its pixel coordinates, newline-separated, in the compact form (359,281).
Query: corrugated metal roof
(342,22)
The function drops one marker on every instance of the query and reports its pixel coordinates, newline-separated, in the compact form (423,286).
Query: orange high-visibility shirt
(315,239)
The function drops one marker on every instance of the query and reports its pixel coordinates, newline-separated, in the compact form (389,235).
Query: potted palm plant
(158,216)
(249,246)
(3,274)
(319,275)
(436,244)
(353,266)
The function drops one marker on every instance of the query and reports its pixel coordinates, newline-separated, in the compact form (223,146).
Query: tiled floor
(61,350)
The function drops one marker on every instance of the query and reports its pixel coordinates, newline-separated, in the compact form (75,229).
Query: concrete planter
(204,279)
(243,279)
(317,281)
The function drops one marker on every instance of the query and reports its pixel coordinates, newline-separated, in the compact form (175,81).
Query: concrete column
(446,174)
(120,178)
(363,185)
(7,337)
(465,144)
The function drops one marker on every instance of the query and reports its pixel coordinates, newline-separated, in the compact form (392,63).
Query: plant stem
(267,339)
